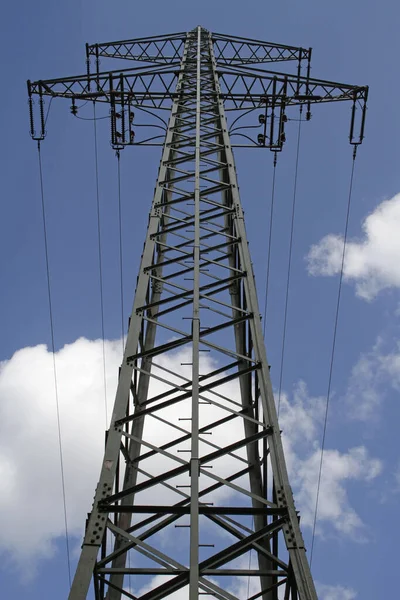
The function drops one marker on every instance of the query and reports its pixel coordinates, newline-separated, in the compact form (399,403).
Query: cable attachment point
(359,94)
(42,120)
(88,66)
(74,108)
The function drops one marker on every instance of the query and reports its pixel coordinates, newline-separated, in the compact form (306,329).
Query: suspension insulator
(74,108)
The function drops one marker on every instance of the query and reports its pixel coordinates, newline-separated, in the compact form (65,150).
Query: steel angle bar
(143,536)
(173,229)
(209,261)
(232,353)
(222,521)
(243,572)
(157,555)
(156,449)
(232,447)
(143,485)
(177,491)
(210,214)
(166,263)
(115,587)
(238,548)
(212,589)
(235,487)
(204,388)
(203,459)
(167,247)
(221,247)
(187,175)
(239,413)
(218,232)
(187,381)
(201,430)
(140,571)
(172,308)
(172,518)
(202,378)
(161,349)
(187,292)
(214,310)
(147,39)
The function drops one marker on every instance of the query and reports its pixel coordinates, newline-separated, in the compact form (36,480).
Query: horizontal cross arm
(231,49)
(157,49)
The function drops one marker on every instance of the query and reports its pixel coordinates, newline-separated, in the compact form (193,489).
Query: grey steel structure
(194,475)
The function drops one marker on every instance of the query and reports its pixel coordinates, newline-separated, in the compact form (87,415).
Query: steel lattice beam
(244,86)
(195,294)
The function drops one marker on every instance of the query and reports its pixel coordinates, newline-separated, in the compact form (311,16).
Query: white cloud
(397,478)
(372,262)
(372,376)
(334,506)
(301,436)
(335,592)
(31,513)
(31,509)
(154,582)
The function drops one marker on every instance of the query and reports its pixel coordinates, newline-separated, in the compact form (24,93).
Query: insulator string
(120,251)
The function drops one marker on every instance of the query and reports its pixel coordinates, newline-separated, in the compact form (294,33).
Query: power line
(54,362)
(121,286)
(269,242)
(333,351)
(120,250)
(48,111)
(96,161)
(290,258)
(91,118)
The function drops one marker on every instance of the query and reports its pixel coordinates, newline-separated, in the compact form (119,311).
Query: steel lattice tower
(218,470)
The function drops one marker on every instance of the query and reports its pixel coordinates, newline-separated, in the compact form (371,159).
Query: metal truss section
(244,87)
(230,49)
(252,88)
(155,87)
(152,86)
(158,49)
(193,477)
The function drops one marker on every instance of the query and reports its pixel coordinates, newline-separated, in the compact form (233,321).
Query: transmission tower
(193,478)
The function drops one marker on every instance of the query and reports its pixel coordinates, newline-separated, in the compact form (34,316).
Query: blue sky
(352,42)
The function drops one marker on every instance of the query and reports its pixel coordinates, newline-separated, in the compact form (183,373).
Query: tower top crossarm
(245,83)
(228,49)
